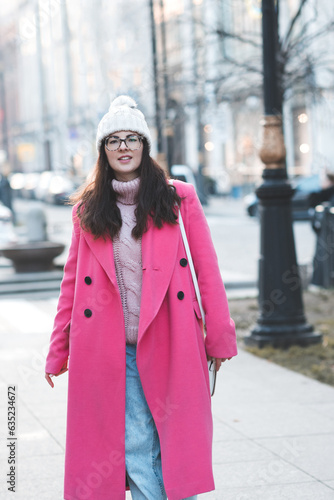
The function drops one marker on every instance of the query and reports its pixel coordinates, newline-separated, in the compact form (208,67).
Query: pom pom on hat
(122,115)
(123,100)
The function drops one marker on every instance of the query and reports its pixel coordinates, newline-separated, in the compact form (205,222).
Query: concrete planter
(33,257)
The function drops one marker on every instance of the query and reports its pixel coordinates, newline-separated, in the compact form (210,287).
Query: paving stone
(296,491)
(257,473)
(239,450)
(312,454)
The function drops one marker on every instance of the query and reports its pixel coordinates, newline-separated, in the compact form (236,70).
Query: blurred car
(17,181)
(302,201)
(43,185)
(49,186)
(223,184)
(24,184)
(7,233)
(183,173)
(31,180)
(54,187)
(60,188)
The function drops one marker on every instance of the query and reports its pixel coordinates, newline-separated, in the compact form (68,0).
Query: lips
(125,157)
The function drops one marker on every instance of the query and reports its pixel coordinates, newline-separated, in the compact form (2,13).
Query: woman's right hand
(49,375)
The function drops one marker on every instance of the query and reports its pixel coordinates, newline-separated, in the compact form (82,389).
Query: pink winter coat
(171,359)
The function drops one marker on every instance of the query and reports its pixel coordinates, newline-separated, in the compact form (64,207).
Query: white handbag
(211,364)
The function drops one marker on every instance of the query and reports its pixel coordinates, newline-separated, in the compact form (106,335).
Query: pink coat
(89,328)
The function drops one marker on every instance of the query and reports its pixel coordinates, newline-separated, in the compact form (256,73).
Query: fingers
(218,361)
(61,371)
(49,380)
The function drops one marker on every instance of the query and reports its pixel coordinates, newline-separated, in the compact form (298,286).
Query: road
(237,239)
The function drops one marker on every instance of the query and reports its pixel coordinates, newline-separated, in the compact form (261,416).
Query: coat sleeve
(220,340)
(59,342)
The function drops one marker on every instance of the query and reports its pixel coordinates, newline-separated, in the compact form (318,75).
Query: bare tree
(305,53)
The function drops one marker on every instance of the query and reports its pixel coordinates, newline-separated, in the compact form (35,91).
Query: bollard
(323,262)
(36,224)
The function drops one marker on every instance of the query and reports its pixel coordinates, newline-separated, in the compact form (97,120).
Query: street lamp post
(3,111)
(165,87)
(199,109)
(44,126)
(156,82)
(281,321)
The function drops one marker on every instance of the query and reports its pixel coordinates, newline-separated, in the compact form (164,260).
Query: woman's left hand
(218,361)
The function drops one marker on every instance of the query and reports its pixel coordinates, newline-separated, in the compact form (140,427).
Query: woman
(139,406)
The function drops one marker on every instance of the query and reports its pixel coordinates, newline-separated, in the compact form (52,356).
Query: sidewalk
(274,429)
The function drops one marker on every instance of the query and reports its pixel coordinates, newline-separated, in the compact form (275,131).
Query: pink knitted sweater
(128,257)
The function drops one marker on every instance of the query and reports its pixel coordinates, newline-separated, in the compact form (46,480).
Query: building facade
(62,62)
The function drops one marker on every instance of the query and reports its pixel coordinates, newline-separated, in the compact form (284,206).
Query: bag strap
(191,263)
(192,268)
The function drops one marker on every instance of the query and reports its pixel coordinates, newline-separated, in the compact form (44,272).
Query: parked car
(31,180)
(60,188)
(7,233)
(183,173)
(17,181)
(49,186)
(302,202)
(54,187)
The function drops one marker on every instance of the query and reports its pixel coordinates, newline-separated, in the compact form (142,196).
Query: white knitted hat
(122,115)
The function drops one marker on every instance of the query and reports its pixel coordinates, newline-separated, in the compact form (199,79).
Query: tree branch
(225,34)
(292,24)
(306,40)
(243,65)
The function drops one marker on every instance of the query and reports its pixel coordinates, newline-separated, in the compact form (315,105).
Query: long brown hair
(97,209)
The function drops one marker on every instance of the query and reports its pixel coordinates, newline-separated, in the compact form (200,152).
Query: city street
(236,95)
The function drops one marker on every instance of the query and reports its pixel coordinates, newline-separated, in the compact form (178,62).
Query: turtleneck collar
(126,191)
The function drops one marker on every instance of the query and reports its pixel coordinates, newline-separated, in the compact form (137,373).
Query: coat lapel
(159,250)
(103,251)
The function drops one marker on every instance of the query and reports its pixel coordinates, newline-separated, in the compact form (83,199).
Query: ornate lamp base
(281,322)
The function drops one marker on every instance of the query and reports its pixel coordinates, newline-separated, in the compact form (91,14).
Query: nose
(123,145)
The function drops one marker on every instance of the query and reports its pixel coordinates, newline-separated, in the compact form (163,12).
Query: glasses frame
(123,140)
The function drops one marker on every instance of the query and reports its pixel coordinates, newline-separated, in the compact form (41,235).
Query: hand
(218,361)
(49,375)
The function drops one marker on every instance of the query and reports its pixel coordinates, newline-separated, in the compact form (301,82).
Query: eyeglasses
(131,142)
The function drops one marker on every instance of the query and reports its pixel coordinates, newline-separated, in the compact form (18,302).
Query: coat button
(88,313)
(183,262)
(88,280)
(180,295)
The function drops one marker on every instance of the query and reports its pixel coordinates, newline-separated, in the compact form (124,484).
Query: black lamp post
(281,322)
(155,77)
(3,109)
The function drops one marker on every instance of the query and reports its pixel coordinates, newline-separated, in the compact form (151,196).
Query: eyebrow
(117,137)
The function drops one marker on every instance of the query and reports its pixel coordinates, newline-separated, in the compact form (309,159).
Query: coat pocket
(197,309)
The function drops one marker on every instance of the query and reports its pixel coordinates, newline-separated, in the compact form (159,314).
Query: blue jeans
(142,445)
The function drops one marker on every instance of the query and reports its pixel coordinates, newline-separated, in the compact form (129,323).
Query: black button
(180,295)
(183,262)
(88,313)
(88,280)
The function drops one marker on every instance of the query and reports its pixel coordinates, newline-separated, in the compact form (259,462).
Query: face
(123,161)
